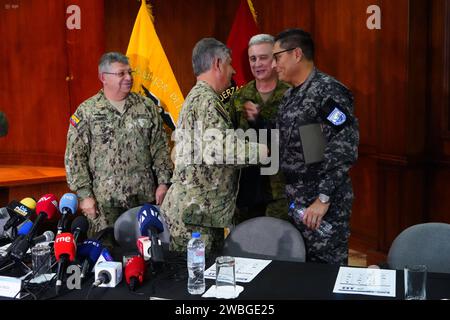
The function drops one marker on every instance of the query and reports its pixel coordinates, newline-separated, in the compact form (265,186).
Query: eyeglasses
(121,74)
(276,54)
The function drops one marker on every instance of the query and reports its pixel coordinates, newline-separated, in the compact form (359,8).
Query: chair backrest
(126,229)
(265,238)
(427,243)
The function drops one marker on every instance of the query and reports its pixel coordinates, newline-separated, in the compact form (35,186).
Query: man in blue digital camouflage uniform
(318,145)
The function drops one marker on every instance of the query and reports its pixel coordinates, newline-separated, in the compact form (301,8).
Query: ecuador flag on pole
(153,75)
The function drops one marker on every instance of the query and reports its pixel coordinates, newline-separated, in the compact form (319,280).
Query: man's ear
(298,54)
(218,64)
(101,77)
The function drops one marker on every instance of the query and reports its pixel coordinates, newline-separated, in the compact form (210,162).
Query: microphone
(23,231)
(45,237)
(134,272)
(108,274)
(68,204)
(20,212)
(90,250)
(47,207)
(148,220)
(150,226)
(65,249)
(79,227)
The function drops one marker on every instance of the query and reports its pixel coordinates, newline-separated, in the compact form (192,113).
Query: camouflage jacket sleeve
(341,150)
(159,148)
(76,159)
(268,109)
(222,144)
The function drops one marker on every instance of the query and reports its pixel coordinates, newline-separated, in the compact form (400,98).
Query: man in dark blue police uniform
(318,145)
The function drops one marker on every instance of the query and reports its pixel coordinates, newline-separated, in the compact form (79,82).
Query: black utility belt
(293,178)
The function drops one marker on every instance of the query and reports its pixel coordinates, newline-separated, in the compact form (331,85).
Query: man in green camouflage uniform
(317,111)
(255,106)
(203,192)
(117,155)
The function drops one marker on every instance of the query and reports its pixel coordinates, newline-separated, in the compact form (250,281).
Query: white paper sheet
(246,269)
(376,282)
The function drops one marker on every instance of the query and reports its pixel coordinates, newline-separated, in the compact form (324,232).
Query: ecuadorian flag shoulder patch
(74,121)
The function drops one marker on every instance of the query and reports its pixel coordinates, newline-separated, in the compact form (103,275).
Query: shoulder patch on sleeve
(334,113)
(74,121)
(337,117)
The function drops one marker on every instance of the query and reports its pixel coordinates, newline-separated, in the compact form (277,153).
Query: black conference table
(280,280)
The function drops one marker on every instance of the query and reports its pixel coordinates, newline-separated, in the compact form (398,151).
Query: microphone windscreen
(135,267)
(65,244)
(49,205)
(49,235)
(25,228)
(29,202)
(80,223)
(68,203)
(148,217)
(89,249)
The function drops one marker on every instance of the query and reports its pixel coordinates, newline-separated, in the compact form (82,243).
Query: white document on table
(246,269)
(374,282)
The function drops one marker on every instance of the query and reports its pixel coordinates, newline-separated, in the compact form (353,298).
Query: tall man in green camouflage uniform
(318,145)
(202,196)
(255,106)
(117,155)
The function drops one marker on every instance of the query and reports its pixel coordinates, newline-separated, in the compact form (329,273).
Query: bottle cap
(195,234)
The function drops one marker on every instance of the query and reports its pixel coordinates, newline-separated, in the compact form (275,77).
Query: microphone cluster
(20,223)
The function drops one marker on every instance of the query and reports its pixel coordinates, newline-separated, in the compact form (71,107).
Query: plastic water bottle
(297,214)
(196,264)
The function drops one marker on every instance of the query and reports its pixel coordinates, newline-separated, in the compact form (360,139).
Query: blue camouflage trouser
(332,248)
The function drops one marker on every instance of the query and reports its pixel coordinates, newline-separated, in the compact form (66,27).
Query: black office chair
(126,229)
(427,243)
(265,238)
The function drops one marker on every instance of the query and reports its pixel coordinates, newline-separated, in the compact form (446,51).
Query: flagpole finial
(149,8)
(252,10)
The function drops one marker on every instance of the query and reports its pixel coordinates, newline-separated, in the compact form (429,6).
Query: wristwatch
(324,198)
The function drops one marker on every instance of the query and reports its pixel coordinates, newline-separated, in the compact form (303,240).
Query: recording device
(90,251)
(68,204)
(23,230)
(79,227)
(65,249)
(4,217)
(134,272)
(47,208)
(150,226)
(108,274)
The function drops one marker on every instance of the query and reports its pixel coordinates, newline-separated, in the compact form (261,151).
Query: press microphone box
(114,269)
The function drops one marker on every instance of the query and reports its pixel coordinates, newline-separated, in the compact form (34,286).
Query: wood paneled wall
(399,76)
(47,70)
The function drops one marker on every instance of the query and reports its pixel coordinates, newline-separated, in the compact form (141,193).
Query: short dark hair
(297,38)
